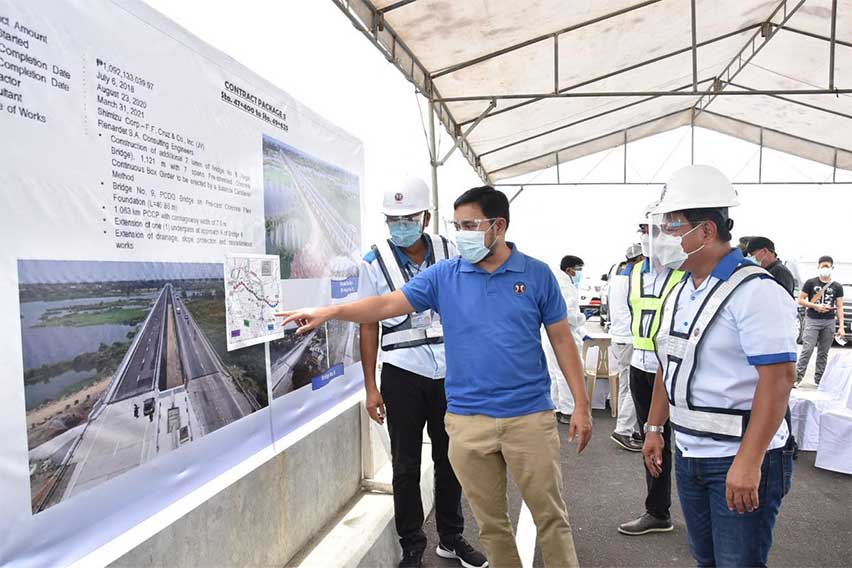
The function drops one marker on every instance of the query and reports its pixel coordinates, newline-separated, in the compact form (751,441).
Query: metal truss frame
(370,21)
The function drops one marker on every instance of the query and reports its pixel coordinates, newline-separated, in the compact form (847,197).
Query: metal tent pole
(433,161)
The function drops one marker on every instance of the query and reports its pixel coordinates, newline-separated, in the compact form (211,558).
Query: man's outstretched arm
(368,310)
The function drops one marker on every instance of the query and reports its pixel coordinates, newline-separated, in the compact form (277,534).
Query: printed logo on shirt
(520,288)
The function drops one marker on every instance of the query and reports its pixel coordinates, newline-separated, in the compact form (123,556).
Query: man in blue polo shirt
(493,301)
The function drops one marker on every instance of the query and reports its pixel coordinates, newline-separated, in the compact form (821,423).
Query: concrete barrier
(324,502)
(268,516)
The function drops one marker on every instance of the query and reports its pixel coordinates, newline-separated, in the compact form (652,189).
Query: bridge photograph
(312,211)
(124,361)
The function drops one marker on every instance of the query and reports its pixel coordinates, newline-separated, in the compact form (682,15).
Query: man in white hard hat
(727,351)
(627,433)
(649,284)
(413,370)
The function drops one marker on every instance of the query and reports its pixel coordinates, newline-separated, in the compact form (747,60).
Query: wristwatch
(656,429)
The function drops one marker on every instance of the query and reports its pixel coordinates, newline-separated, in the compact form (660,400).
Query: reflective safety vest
(678,354)
(645,309)
(417,329)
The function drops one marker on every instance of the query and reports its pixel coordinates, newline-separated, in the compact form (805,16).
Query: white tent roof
(542,82)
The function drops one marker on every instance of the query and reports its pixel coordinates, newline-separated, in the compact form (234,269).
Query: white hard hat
(633,251)
(645,219)
(696,187)
(407,198)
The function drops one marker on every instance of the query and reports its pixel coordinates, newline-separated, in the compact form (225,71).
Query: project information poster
(159,204)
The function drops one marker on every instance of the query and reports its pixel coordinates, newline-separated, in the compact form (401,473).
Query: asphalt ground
(605,486)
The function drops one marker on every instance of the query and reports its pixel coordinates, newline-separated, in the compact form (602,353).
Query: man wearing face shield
(413,370)
(649,284)
(493,301)
(727,350)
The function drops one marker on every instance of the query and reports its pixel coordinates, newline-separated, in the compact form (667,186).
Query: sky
(311,51)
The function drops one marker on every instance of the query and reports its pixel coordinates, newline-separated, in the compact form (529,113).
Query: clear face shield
(664,238)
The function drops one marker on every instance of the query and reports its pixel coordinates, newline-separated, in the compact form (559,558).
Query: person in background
(650,285)
(727,351)
(413,371)
(823,299)
(493,301)
(761,251)
(626,433)
(743,244)
(569,276)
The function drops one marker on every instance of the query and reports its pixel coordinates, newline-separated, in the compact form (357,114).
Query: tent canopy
(524,86)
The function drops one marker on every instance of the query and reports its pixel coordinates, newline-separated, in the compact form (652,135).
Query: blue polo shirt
(492,323)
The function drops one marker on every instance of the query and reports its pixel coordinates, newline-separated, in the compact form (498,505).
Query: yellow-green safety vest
(641,305)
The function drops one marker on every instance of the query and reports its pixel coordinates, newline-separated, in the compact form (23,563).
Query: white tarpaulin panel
(160,202)
(566,77)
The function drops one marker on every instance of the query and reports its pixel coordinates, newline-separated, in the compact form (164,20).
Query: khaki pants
(481,448)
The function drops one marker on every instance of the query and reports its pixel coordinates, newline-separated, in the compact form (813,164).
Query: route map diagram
(252,297)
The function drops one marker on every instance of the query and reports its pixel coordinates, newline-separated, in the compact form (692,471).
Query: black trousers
(659,499)
(412,402)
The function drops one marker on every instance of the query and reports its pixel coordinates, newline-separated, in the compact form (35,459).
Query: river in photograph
(53,344)
(66,382)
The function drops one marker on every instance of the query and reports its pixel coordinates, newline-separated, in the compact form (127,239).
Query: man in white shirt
(649,286)
(413,370)
(626,433)
(727,352)
(569,277)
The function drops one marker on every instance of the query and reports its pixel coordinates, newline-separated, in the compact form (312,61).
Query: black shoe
(626,442)
(411,559)
(462,551)
(563,418)
(638,437)
(645,524)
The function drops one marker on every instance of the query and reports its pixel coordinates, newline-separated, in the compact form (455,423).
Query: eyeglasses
(413,218)
(471,224)
(671,227)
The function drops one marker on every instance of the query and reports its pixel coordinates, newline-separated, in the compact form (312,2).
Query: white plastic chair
(604,367)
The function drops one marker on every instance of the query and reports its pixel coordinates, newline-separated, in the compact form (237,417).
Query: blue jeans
(718,536)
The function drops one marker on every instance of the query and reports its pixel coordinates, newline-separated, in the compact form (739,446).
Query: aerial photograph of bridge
(124,361)
(297,359)
(312,210)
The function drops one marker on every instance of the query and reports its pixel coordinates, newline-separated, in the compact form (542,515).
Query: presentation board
(160,204)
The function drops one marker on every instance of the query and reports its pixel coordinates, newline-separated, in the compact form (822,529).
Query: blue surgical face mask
(405,233)
(471,245)
(753,259)
(577,278)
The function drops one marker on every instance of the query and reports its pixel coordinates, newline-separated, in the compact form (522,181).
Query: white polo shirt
(426,360)
(619,311)
(755,327)
(653,282)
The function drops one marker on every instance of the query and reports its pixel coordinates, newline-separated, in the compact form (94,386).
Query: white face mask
(646,245)
(825,272)
(668,249)
(471,245)
(577,278)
